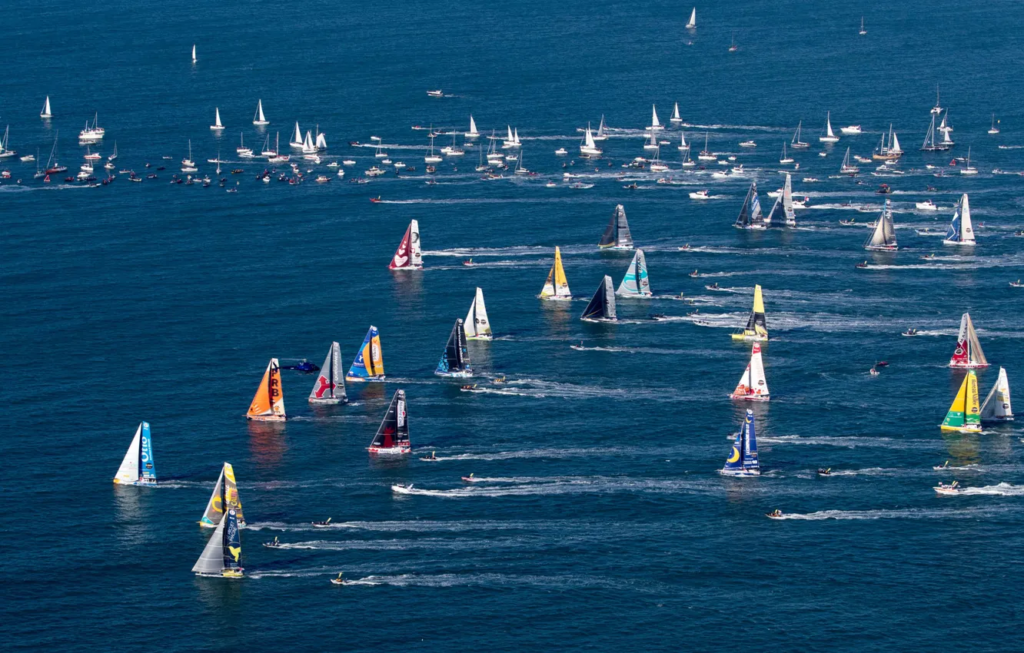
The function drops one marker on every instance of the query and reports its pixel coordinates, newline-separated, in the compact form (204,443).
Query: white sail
(307,144)
(828,126)
(321,141)
(600,130)
(46,112)
(753,385)
(193,53)
(966,228)
(510,138)
(415,251)
(211,562)
(682,141)
(675,113)
(259,118)
(693,19)
(636,282)
(884,235)
(477,325)
(590,138)
(655,124)
(296,140)
(997,405)
(515,136)
(128,472)
(472,127)
(895,149)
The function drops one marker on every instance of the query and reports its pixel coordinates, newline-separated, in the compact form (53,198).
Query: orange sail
(268,404)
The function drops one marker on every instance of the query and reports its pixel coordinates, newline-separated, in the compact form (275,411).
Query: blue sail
(232,543)
(743,459)
(953,235)
(147,465)
(360,369)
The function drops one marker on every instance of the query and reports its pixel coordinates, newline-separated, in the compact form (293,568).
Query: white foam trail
(581,485)
(907,513)
(850,442)
(1002,489)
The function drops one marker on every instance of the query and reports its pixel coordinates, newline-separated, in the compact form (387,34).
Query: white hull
(391,451)
(739,473)
(454,375)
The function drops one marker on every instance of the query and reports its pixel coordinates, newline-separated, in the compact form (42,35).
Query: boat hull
(142,483)
(968,366)
(744,337)
(960,429)
(750,397)
(266,418)
(369,379)
(466,374)
(328,401)
(740,473)
(487,338)
(880,248)
(227,573)
(555,298)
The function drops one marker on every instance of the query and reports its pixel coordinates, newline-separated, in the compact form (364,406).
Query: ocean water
(599,522)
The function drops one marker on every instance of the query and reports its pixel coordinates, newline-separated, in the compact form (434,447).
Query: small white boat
(926,205)
(435,93)
(951,489)
(748,144)
(46,113)
(374,172)
(700,195)
(561,152)
(398,165)
(850,130)
(829,136)
(348,162)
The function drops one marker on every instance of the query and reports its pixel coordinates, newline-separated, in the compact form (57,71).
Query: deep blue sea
(600,522)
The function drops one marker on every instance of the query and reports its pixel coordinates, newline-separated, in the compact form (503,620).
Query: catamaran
(796,143)
(692,24)
(368,365)
(676,118)
(753,385)
(883,237)
(588,148)
(743,459)
(655,123)
(477,325)
(556,288)
(408,256)
(329,387)
(472,133)
(782,213)
(757,328)
(259,118)
(455,357)
(602,305)
(750,213)
(847,168)
(996,407)
(392,436)
(964,414)
(222,556)
(225,495)
(46,113)
(968,353)
(616,235)
(830,136)
(138,466)
(268,404)
(961,232)
(636,283)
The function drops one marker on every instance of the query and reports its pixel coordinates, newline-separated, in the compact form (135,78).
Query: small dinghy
(952,488)
(909,333)
(275,544)
(432,458)
(775,514)
(713,286)
(694,274)
(322,524)
(824,471)
(1016,284)
(339,580)
(469,479)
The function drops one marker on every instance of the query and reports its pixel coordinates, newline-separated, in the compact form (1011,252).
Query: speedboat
(322,524)
(884,190)
(850,130)
(276,544)
(861,266)
(432,458)
(909,333)
(469,479)
(873,372)
(694,274)
(824,471)
(952,488)
(435,93)
(467,388)
(926,205)
(339,580)
(775,514)
(1016,284)
(468,262)
(713,286)
(927,257)
(561,152)
(944,465)
(685,248)
(700,195)
(748,144)
(402,488)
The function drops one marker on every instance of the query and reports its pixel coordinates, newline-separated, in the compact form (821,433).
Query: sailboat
(743,459)
(392,437)
(188,165)
(636,283)
(268,404)
(655,123)
(847,168)
(408,256)
(194,53)
(676,118)
(996,407)
(113,155)
(259,118)
(683,145)
(4,151)
(599,135)
(968,353)
(616,235)
(477,325)
(47,112)
(692,23)
(138,466)
(222,556)
(930,145)
(993,129)
(753,385)
(53,166)
(217,124)
(782,211)
(242,150)
(796,143)
(862,31)
(472,133)
(510,140)
(368,365)
(706,154)
(964,415)
(888,148)
(602,305)
(968,169)
(757,328)
(329,387)
(652,143)
(883,237)
(937,108)
(455,357)
(556,288)
(432,157)
(830,136)
(785,159)
(297,140)
(588,148)
(961,231)
(750,213)
(225,494)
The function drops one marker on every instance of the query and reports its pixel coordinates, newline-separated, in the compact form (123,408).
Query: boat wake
(579,485)
(1002,489)
(907,513)
(850,442)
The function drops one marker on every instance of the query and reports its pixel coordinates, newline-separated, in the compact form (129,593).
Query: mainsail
(268,404)
(743,459)
(478,327)
(757,327)
(693,19)
(675,114)
(602,305)
(655,123)
(964,414)
(753,385)
(782,211)
(961,231)
(329,387)
(225,493)
(557,286)
(296,140)
(222,555)
(393,434)
(455,358)
(259,118)
(883,237)
(138,466)
(616,234)
(750,213)
(472,133)
(636,283)
(408,256)
(968,353)
(996,407)
(368,365)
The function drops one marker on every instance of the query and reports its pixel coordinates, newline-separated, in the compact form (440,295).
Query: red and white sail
(968,353)
(408,256)
(753,385)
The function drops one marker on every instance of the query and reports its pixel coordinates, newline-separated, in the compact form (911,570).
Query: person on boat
(945,464)
(433,455)
(775,513)
(824,471)
(500,379)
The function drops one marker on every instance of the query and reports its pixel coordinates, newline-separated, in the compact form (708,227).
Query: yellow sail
(556,286)
(757,327)
(374,357)
(964,414)
(268,404)
(560,280)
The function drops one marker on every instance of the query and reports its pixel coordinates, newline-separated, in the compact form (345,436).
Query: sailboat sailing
(757,327)
(616,235)
(47,112)
(636,283)
(217,124)
(676,118)
(368,365)
(455,357)
(556,288)
(964,415)
(268,404)
(961,231)
(259,118)
(830,136)
(692,23)
(225,495)
(477,325)
(408,256)
(329,387)
(750,216)
(472,133)
(743,459)
(883,237)
(968,353)
(602,305)
(782,212)
(996,407)
(222,556)
(655,123)
(753,385)
(796,143)
(138,466)
(392,437)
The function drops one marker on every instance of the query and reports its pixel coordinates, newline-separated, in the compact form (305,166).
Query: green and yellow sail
(964,415)
(757,328)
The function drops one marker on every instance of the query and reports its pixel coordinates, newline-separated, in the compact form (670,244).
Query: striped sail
(964,415)
(329,387)
(225,493)
(636,283)
(408,256)
(268,404)
(368,365)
